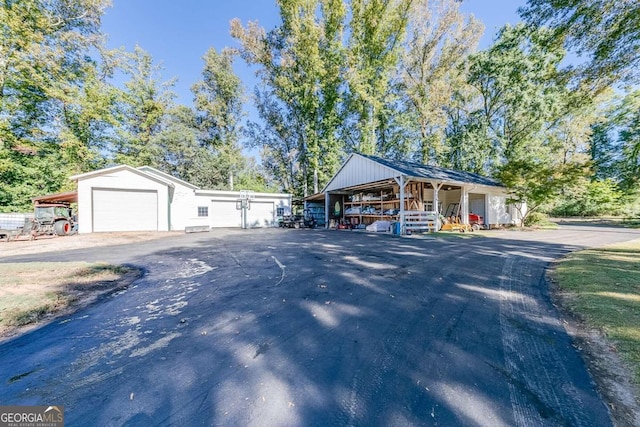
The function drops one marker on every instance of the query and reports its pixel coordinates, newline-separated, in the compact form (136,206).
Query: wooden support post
(436,188)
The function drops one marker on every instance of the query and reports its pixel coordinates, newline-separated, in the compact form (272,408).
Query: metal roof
(67,197)
(419,170)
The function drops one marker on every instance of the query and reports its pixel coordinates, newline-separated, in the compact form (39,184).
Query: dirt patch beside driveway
(79,241)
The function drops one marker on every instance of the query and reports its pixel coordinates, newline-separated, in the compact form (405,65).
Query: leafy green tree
(218,99)
(179,146)
(591,198)
(44,48)
(608,31)
(145,102)
(468,143)
(376,31)
(536,125)
(521,88)
(89,115)
(604,150)
(534,183)
(433,69)
(301,67)
(628,120)
(615,142)
(278,139)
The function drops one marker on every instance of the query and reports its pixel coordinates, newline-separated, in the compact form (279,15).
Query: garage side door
(224,214)
(260,215)
(476,205)
(124,210)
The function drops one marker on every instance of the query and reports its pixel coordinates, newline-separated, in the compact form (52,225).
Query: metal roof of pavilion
(419,170)
(361,169)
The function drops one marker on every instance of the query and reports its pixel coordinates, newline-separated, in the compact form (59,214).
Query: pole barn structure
(367,189)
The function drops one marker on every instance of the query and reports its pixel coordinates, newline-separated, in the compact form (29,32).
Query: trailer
(298,221)
(13,225)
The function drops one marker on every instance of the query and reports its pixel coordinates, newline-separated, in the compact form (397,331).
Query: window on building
(203,210)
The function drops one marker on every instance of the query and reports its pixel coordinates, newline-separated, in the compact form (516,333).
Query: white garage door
(260,214)
(225,214)
(124,210)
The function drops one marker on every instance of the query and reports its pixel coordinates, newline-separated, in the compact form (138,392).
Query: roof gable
(357,170)
(166,176)
(120,168)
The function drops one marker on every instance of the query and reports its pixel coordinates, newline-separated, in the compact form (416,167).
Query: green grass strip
(602,287)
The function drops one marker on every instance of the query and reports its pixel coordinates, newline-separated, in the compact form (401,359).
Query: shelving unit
(370,207)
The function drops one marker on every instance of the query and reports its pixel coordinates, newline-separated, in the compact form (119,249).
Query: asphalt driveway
(304,327)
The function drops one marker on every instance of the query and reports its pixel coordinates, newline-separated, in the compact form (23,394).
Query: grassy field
(30,291)
(602,287)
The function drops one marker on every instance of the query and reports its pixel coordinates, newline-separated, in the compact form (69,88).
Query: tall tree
(146,100)
(301,65)
(218,100)
(604,150)
(521,88)
(628,121)
(377,29)
(179,146)
(608,31)
(440,40)
(43,51)
(89,117)
(529,111)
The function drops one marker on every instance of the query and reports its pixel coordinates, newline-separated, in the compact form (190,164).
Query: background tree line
(395,78)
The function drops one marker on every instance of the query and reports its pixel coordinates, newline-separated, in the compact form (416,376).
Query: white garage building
(123,198)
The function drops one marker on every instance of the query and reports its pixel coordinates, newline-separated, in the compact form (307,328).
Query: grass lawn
(30,291)
(602,287)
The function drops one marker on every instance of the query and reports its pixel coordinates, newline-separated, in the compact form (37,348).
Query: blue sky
(178,33)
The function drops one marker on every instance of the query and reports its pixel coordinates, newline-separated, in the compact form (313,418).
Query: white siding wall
(448,197)
(360,170)
(498,212)
(222,211)
(184,208)
(184,205)
(122,179)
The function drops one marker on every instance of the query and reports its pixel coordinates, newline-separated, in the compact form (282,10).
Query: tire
(62,228)
(296,225)
(475,227)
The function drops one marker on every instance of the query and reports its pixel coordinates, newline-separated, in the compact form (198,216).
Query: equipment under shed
(416,197)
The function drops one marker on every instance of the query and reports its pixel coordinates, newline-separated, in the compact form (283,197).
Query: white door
(124,210)
(261,214)
(224,214)
(476,204)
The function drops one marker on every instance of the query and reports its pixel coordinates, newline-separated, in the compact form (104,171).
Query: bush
(598,198)
(536,218)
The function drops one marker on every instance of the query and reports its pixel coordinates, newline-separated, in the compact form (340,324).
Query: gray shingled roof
(434,172)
